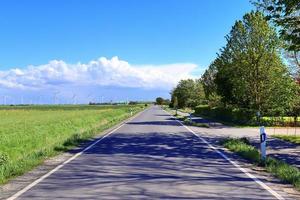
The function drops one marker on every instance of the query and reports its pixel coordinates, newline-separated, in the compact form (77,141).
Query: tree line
(258,68)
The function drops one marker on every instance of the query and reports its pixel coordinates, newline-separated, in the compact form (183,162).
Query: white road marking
(259,182)
(28,187)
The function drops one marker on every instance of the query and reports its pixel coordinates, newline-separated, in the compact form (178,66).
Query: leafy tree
(188,92)
(159,100)
(286,15)
(250,73)
(209,85)
(162,101)
(295,104)
(208,80)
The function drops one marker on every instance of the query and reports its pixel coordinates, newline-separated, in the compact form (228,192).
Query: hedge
(233,115)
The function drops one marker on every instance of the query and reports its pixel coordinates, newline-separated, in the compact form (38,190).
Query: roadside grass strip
(289,138)
(283,171)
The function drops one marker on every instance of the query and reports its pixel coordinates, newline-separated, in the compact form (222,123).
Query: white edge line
(254,178)
(28,187)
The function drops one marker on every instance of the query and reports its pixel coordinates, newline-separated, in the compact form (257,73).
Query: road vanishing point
(151,156)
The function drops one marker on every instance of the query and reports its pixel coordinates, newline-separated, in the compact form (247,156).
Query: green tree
(286,15)
(159,100)
(209,85)
(250,73)
(295,104)
(208,80)
(189,93)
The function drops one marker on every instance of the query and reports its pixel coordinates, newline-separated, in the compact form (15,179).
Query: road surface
(150,157)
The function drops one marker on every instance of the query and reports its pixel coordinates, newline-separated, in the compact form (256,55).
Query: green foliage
(242,148)
(295,105)
(280,169)
(189,93)
(250,73)
(32,134)
(208,80)
(285,14)
(227,114)
(284,172)
(247,76)
(210,86)
(159,100)
(240,116)
(162,101)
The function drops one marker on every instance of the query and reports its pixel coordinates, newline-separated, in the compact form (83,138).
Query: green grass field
(29,135)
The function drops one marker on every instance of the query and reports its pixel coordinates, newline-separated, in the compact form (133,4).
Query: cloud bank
(100,72)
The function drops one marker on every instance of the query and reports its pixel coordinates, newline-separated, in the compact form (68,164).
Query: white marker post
(263,142)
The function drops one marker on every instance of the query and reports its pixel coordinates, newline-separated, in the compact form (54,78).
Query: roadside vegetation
(280,169)
(30,134)
(250,82)
(289,138)
(254,80)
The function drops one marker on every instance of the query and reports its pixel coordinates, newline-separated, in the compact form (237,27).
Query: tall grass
(30,135)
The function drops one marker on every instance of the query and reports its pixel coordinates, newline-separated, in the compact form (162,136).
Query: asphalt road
(150,157)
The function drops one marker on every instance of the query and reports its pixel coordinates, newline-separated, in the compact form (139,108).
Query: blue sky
(140,33)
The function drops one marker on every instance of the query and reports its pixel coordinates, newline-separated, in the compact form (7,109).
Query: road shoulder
(286,190)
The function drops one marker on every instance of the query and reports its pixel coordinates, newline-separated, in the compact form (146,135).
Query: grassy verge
(289,138)
(30,135)
(191,123)
(280,169)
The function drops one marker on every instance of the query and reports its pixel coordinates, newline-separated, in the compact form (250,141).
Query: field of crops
(29,135)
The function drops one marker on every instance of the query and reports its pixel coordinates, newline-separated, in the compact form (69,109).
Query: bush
(234,115)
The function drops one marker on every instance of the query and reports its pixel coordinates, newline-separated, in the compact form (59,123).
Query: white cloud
(101,72)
